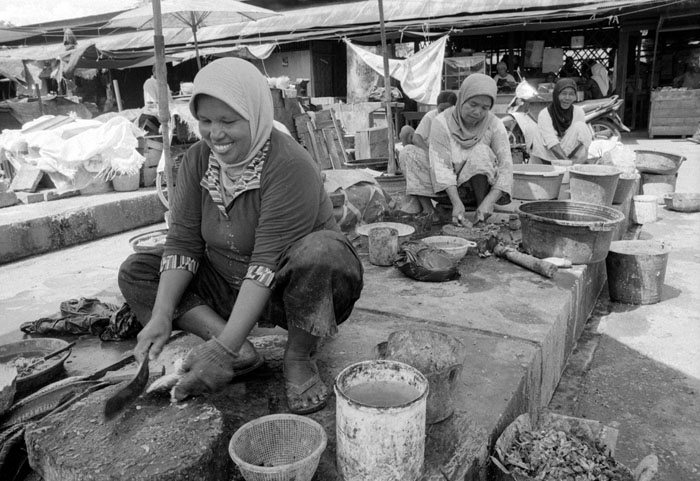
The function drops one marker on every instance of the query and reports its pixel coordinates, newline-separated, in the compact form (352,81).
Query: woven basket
(278,447)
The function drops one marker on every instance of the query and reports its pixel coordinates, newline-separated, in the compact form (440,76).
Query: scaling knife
(129,393)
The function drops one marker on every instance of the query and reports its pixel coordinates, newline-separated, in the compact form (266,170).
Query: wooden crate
(371,143)
(674,112)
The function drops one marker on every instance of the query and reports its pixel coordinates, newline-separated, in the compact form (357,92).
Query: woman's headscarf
(600,75)
(241,86)
(475,84)
(561,119)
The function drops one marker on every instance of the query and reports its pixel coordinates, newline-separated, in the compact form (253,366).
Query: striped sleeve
(260,274)
(174,261)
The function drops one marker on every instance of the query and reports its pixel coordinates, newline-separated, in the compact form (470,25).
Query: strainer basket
(278,447)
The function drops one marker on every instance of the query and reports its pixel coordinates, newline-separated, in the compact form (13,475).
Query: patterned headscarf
(561,119)
(241,86)
(475,84)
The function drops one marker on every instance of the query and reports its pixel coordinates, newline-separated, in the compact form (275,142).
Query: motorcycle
(520,119)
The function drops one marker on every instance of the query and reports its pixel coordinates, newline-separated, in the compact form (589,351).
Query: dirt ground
(637,368)
(655,407)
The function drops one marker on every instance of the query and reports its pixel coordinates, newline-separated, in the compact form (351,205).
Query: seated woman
(596,83)
(470,160)
(252,238)
(413,157)
(562,132)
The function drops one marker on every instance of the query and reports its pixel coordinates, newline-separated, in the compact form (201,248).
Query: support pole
(391,165)
(118,95)
(163,107)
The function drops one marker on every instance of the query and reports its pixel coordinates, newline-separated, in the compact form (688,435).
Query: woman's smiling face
(223,129)
(567,97)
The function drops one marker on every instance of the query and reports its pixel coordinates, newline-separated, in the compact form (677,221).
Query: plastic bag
(423,262)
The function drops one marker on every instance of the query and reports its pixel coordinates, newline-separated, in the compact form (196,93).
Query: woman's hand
(483,212)
(207,368)
(458,215)
(154,335)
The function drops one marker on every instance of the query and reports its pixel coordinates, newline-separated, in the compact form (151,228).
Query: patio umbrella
(181,13)
(194,14)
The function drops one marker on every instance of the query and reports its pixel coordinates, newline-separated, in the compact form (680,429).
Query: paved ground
(636,367)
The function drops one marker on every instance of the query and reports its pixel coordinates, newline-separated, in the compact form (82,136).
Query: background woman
(413,159)
(562,132)
(469,154)
(251,237)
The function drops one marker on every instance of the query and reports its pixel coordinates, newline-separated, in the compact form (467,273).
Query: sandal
(294,394)
(249,365)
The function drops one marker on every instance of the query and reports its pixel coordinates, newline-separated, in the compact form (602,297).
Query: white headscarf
(241,86)
(600,75)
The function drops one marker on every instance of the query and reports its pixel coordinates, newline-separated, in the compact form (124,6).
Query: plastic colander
(278,447)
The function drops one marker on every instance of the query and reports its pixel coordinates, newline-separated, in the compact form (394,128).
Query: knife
(129,393)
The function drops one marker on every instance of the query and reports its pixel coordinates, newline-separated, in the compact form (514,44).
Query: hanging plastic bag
(423,262)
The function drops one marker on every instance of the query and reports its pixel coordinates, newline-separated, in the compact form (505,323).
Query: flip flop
(294,393)
(249,366)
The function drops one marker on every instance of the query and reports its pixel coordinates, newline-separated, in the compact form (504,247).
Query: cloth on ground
(87,316)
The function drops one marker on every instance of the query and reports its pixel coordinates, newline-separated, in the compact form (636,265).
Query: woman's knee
(138,267)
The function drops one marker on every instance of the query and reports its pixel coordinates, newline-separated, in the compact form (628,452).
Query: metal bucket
(636,271)
(380,439)
(438,356)
(577,231)
(659,185)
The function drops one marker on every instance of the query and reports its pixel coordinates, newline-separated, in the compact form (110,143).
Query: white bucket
(383,438)
(643,209)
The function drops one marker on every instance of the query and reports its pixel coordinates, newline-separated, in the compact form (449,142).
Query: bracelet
(225,348)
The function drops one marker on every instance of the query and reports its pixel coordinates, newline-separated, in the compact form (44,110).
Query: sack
(423,262)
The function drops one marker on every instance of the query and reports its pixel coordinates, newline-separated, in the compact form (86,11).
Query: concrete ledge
(38,228)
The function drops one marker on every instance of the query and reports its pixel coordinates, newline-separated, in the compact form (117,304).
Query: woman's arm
(249,305)
(503,182)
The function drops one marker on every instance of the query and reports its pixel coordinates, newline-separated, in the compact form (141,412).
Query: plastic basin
(655,162)
(456,247)
(577,231)
(537,182)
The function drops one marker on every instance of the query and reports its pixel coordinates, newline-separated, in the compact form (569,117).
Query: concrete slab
(518,328)
(32,229)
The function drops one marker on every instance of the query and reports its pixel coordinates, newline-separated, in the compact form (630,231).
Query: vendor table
(674,112)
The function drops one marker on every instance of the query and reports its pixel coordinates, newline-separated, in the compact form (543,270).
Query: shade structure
(192,14)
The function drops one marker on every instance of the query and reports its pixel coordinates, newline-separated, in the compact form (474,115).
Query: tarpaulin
(420,74)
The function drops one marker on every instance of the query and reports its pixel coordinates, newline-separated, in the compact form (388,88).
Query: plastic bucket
(577,231)
(438,356)
(636,271)
(625,187)
(594,184)
(383,245)
(380,438)
(644,209)
(659,185)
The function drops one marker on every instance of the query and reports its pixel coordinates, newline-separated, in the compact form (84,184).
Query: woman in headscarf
(470,160)
(251,238)
(562,132)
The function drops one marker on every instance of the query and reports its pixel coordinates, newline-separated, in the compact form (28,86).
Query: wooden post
(163,107)
(117,95)
(391,165)
(37,89)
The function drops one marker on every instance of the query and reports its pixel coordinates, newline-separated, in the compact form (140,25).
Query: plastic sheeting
(420,74)
(78,152)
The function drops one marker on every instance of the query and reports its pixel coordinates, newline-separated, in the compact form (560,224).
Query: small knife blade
(129,393)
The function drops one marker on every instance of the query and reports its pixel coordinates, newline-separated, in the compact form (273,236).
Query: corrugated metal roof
(361,18)
(357,17)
